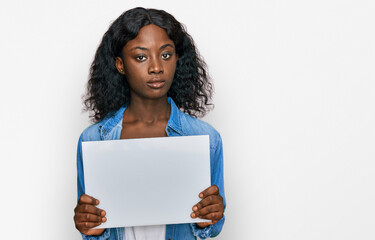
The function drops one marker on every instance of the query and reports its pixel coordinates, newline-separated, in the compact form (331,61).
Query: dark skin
(149,63)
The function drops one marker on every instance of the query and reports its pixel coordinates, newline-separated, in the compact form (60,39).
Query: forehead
(149,36)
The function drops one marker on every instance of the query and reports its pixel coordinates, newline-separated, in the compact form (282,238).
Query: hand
(87,215)
(210,207)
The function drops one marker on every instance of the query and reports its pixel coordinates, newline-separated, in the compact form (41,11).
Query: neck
(148,110)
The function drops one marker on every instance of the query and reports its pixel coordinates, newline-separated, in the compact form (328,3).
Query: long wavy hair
(108,90)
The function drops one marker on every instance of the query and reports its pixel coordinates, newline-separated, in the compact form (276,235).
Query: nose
(155,66)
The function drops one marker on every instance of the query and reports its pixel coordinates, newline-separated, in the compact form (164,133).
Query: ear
(120,65)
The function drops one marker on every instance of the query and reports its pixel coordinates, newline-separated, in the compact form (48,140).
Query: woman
(146,70)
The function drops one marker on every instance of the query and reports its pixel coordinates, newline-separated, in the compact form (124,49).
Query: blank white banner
(148,181)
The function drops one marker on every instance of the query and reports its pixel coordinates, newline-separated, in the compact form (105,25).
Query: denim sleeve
(81,190)
(217,178)
(80,179)
(105,235)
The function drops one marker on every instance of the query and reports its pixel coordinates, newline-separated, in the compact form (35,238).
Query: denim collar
(174,122)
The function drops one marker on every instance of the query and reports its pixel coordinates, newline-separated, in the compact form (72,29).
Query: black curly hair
(108,90)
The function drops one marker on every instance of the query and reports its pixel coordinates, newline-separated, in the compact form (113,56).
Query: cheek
(172,70)
(133,71)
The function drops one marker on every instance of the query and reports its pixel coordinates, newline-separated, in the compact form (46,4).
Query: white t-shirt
(154,232)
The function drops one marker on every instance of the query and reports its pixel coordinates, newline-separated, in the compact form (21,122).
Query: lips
(156,83)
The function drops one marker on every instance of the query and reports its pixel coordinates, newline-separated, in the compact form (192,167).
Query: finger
(87,217)
(96,231)
(86,199)
(206,210)
(83,226)
(204,224)
(211,190)
(209,200)
(209,209)
(213,216)
(86,208)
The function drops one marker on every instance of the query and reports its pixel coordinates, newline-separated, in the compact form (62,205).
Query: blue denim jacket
(179,124)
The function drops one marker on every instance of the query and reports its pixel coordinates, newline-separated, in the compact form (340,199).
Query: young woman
(148,80)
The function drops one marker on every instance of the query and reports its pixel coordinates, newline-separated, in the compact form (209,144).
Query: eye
(141,58)
(166,56)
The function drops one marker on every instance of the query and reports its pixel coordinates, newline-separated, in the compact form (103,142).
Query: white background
(295,96)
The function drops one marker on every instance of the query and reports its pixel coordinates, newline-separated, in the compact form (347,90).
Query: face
(149,63)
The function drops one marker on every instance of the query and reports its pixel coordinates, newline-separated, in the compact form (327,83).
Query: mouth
(155,84)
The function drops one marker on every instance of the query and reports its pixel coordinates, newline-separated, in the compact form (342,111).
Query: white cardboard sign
(148,181)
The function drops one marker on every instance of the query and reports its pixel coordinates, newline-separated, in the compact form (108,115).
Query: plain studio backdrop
(295,97)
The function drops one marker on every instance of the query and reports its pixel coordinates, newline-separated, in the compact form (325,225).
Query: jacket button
(104,130)
(169,130)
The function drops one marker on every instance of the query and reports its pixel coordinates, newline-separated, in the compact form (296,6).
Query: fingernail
(195,208)
(200,195)
(193,215)
(104,219)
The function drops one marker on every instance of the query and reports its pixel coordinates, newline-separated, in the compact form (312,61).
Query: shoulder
(91,133)
(195,126)
(110,122)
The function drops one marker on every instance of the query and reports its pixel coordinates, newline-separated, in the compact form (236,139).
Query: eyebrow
(166,45)
(162,47)
(142,48)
